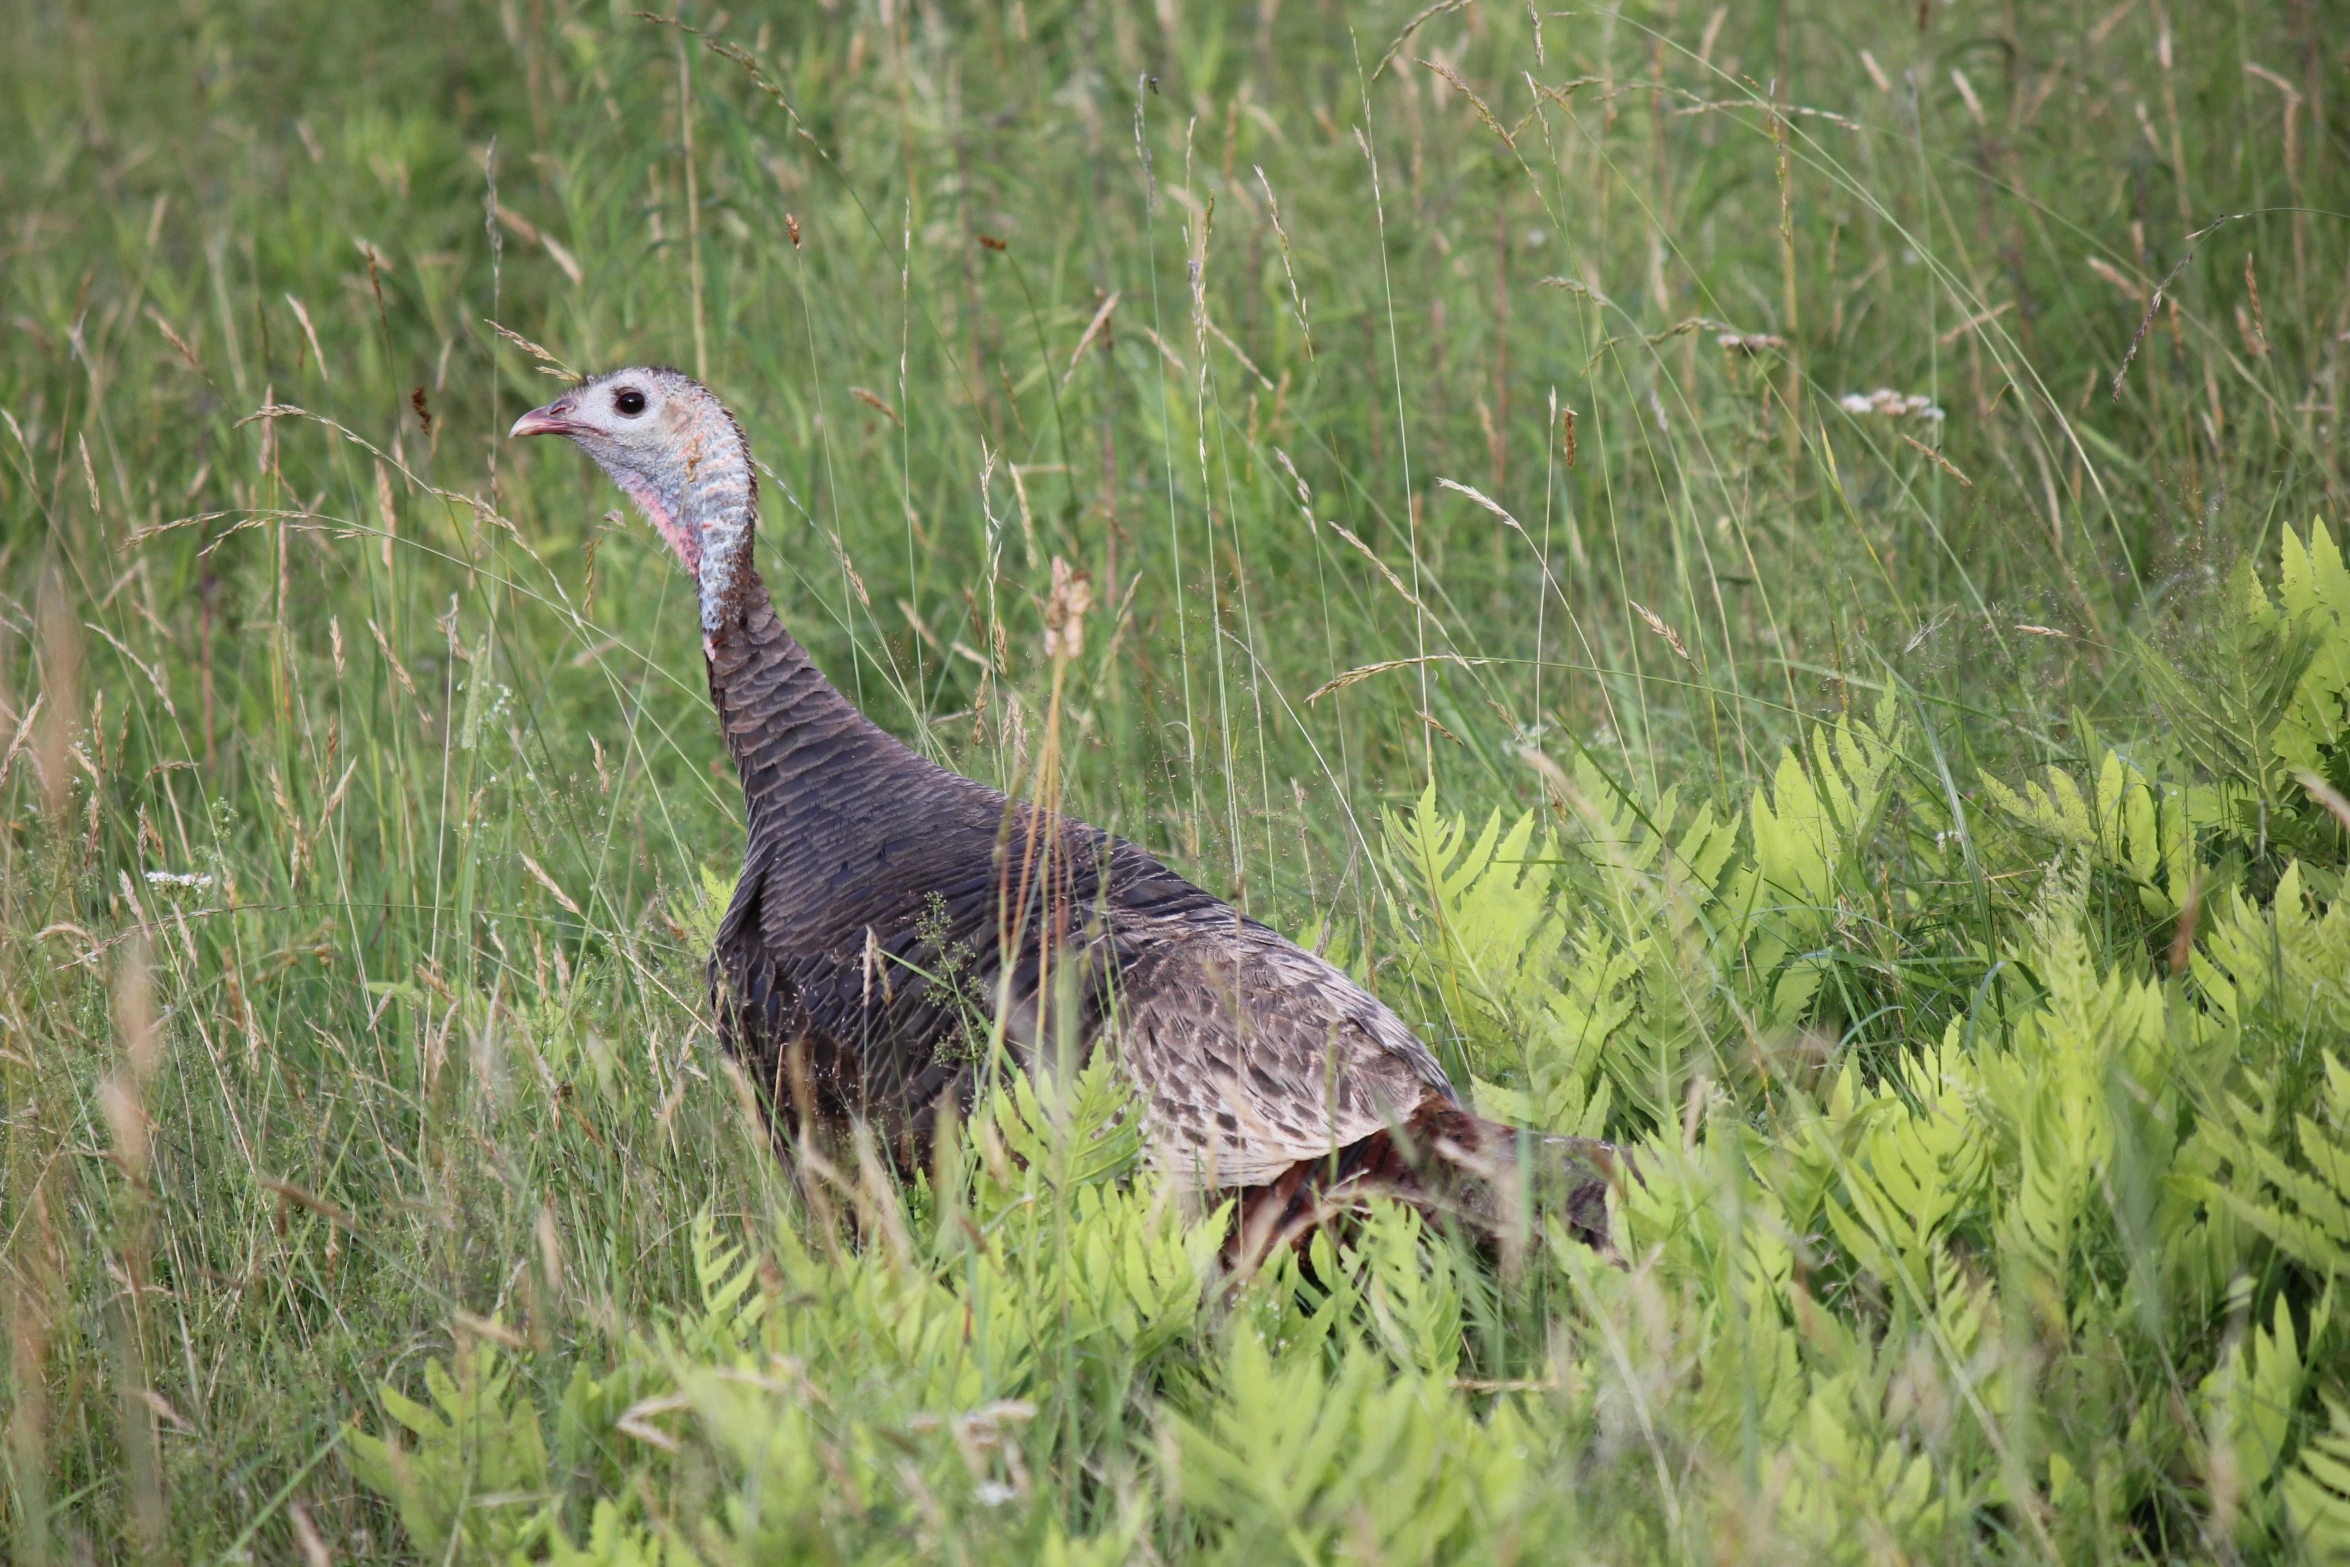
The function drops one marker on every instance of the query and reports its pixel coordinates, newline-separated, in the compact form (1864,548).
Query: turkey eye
(629,401)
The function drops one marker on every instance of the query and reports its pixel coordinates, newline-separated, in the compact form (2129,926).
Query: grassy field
(1768,575)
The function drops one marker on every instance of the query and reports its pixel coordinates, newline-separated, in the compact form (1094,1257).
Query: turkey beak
(554,419)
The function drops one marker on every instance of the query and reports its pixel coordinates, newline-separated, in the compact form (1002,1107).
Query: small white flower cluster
(192,880)
(1892,404)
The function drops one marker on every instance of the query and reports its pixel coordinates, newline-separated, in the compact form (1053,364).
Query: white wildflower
(1893,405)
(194,881)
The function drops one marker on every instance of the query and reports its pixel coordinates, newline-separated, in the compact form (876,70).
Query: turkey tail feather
(1487,1178)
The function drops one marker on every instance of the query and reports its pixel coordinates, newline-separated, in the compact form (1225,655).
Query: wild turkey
(882,896)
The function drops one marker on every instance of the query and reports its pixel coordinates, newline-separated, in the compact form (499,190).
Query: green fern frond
(474,1482)
(2315,589)
(2317,1491)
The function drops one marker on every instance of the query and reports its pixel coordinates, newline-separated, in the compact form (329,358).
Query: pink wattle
(681,538)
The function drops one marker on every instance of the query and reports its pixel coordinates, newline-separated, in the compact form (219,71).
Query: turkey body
(888,907)
(894,920)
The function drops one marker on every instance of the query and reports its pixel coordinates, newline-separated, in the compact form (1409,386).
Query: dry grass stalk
(309,332)
(122,1096)
(1297,301)
(546,358)
(2259,322)
(1453,78)
(60,709)
(399,670)
(872,399)
(1940,461)
(36,1301)
(1365,671)
(1097,327)
(1387,571)
(1065,611)
(1486,501)
(554,888)
(1656,624)
(24,730)
(1440,8)
(2326,795)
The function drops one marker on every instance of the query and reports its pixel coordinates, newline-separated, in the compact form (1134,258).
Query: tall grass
(1466,401)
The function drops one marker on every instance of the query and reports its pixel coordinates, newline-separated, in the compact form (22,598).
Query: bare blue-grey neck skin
(667,440)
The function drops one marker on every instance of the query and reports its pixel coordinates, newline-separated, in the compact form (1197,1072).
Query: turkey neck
(800,746)
(813,768)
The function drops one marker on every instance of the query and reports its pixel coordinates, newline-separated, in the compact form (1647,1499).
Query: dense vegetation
(1769,576)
